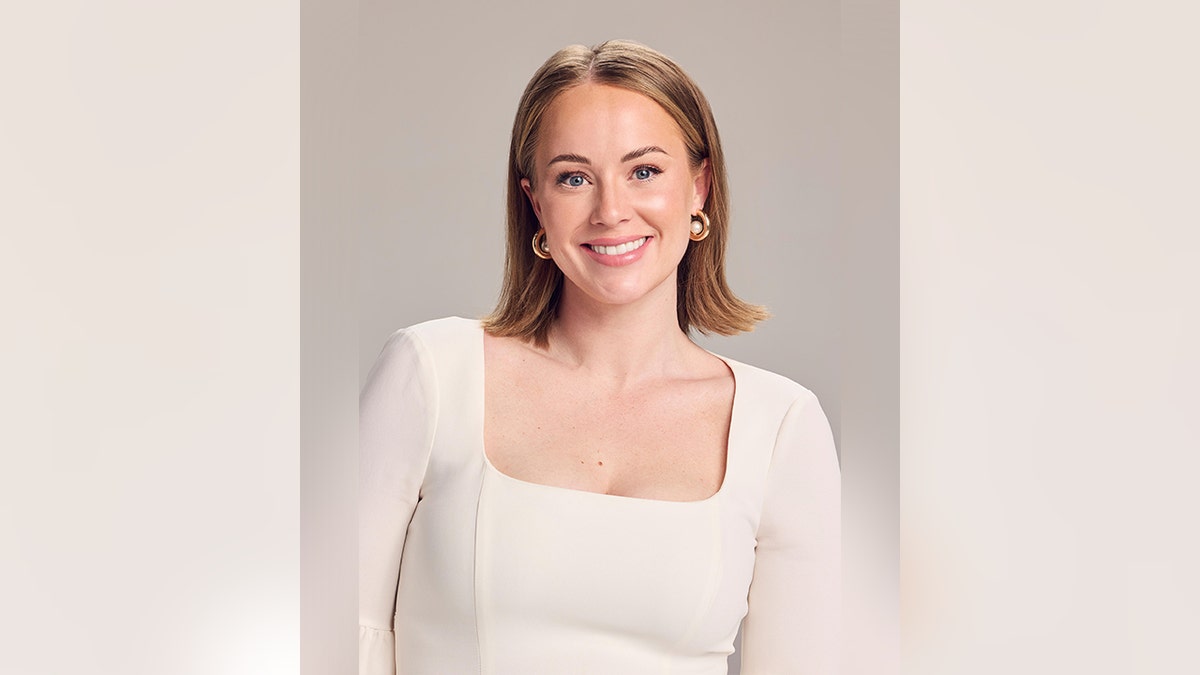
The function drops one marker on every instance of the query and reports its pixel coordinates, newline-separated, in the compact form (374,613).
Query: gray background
(440,94)
(806,95)
(441,86)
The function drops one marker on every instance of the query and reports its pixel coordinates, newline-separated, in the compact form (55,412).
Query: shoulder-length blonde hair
(532,287)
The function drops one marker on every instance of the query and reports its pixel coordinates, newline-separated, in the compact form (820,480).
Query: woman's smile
(610,252)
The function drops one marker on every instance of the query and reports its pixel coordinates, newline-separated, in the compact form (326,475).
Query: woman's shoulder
(437,336)
(439,348)
(765,387)
(443,329)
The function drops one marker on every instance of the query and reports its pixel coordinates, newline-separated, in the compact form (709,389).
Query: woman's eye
(645,172)
(572,180)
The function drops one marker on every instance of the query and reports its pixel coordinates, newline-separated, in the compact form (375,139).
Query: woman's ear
(528,188)
(701,182)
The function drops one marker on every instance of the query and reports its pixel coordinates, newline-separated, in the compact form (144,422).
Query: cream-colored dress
(467,570)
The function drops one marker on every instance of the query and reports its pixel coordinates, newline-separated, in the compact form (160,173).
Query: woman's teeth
(619,248)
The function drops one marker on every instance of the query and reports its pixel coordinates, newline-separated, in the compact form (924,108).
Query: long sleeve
(793,623)
(397,410)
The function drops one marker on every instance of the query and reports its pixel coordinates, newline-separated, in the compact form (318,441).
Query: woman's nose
(612,204)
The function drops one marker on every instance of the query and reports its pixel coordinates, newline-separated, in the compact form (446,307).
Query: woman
(572,485)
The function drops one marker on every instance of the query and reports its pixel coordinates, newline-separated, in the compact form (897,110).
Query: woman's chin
(632,292)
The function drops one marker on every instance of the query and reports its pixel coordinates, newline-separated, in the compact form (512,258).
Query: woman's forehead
(606,121)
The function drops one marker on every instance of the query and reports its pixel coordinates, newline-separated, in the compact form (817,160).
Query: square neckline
(734,418)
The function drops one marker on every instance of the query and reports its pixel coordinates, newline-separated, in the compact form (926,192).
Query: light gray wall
(440,93)
(805,95)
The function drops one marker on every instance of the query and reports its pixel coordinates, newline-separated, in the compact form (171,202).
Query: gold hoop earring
(700,226)
(541,248)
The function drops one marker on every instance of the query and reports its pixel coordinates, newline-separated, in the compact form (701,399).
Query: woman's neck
(624,344)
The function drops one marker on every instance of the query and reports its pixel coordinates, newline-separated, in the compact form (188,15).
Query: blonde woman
(572,485)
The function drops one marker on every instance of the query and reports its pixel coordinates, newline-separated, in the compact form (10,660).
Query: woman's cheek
(559,210)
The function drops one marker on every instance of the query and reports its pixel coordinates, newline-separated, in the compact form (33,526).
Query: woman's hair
(532,287)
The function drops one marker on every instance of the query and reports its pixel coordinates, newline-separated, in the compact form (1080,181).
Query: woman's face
(614,190)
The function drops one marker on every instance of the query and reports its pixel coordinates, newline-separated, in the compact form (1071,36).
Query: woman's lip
(627,258)
(614,241)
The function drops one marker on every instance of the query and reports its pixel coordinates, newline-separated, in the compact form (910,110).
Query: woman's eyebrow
(629,156)
(643,151)
(568,157)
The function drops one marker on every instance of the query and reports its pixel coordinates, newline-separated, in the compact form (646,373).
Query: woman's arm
(794,618)
(396,410)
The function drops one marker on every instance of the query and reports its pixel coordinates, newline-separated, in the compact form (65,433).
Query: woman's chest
(549,579)
(662,442)
(581,565)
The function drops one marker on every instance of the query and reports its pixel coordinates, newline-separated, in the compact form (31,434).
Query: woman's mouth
(619,249)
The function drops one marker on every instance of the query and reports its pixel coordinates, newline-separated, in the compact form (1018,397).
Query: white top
(467,570)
